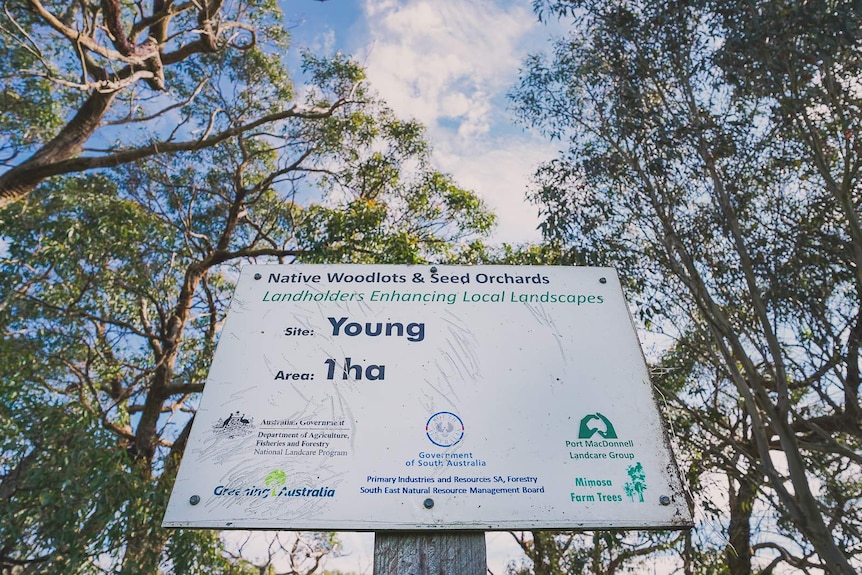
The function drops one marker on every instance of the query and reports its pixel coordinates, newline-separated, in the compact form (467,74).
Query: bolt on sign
(381,397)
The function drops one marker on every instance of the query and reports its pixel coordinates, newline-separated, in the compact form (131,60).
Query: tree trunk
(738,552)
(145,539)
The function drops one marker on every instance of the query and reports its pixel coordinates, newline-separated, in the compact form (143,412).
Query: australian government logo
(275,485)
(236,424)
(444,429)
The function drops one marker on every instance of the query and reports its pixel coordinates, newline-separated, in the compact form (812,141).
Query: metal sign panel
(418,397)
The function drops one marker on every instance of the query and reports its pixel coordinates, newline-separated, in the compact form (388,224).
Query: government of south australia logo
(234,425)
(444,429)
(596,423)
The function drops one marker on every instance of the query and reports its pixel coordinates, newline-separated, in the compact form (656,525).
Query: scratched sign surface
(428,397)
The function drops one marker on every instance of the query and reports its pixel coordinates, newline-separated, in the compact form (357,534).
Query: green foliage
(712,157)
(545,254)
(598,552)
(114,286)
(199,552)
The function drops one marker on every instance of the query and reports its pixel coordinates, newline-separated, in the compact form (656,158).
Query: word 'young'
(412,331)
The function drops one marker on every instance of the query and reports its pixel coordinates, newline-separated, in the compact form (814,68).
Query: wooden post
(439,553)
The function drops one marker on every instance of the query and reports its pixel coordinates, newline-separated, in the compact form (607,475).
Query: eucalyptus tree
(596,552)
(114,284)
(97,83)
(711,153)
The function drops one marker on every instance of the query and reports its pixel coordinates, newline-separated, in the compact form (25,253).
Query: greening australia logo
(275,485)
(275,478)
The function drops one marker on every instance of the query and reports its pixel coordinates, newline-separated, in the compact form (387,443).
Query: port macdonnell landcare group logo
(596,423)
(275,485)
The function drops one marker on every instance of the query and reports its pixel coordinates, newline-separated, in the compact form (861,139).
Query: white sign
(419,397)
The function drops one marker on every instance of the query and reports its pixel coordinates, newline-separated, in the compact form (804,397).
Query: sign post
(428,398)
(456,553)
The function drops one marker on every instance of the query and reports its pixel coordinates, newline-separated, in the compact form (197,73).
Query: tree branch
(58,156)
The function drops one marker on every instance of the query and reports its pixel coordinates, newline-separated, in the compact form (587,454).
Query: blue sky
(448,64)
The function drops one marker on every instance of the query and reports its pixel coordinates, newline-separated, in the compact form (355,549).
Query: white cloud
(425,54)
(499,171)
(501,550)
(324,43)
(448,63)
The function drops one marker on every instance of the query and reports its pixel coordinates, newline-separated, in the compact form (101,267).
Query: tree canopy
(712,153)
(100,83)
(150,149)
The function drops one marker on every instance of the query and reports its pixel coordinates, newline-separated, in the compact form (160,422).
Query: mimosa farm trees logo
(637,485)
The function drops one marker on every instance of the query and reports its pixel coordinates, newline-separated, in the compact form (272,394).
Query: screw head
(433,269)
(195,499)
(664,500)
(257,276)
(603,280)
(428,503)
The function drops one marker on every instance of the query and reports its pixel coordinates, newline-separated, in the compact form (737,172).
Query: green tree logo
(637,485)
(275,478)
